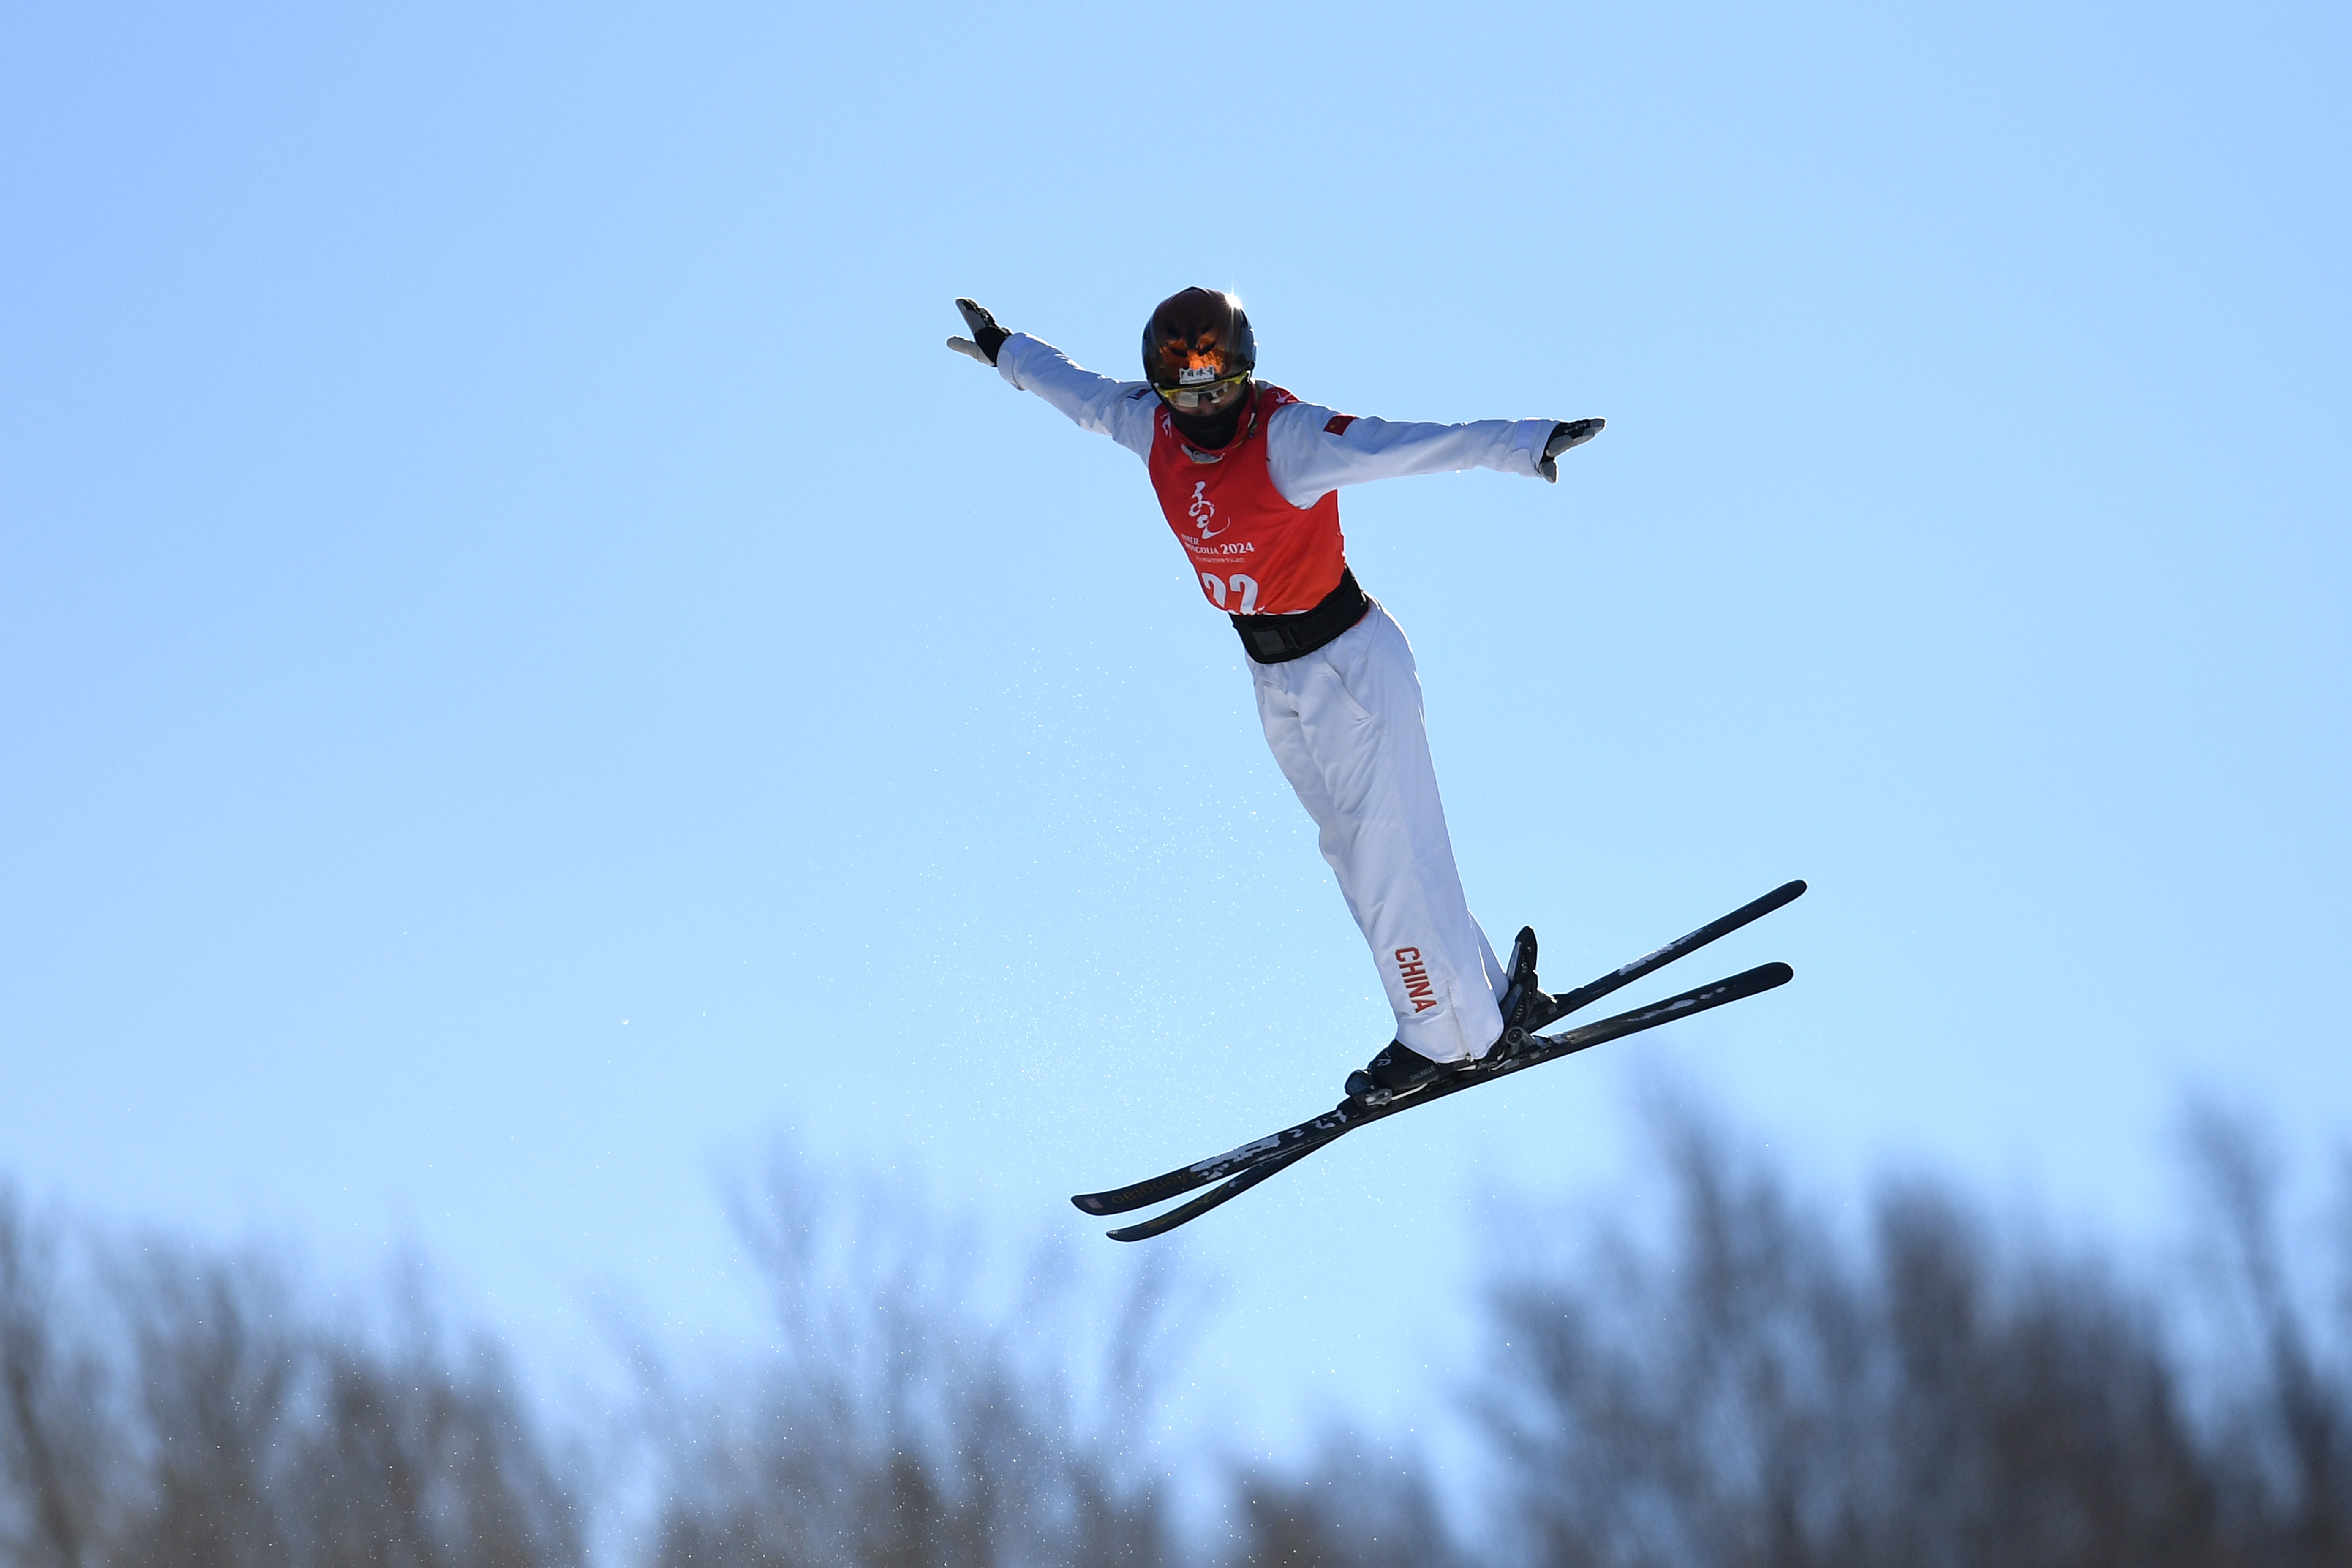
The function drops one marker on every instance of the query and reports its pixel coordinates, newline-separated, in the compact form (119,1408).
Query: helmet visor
(1198,394)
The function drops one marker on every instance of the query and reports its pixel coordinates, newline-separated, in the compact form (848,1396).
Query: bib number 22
(1246,586)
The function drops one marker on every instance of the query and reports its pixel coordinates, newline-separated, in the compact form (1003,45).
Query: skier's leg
(1345,723)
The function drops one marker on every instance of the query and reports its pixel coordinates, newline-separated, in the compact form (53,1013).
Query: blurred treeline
(1729,1375)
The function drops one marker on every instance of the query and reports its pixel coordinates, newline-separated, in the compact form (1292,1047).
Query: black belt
(1278,639)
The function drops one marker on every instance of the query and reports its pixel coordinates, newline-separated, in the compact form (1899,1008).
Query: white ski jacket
(1310,451)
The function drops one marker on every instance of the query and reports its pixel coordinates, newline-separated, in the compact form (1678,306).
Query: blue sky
(528,669)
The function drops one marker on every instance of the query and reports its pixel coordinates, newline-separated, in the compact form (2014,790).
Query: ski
(1287,1148)
(1349,1114)
(1586,994)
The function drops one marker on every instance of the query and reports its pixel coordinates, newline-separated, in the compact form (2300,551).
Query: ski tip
(1769,975)
(1780,898)
(1091,1202)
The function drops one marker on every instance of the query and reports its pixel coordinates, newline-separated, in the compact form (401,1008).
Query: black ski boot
(1398,1070)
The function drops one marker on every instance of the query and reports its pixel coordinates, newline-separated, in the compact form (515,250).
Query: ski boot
(1526,1006)
(1397,1071)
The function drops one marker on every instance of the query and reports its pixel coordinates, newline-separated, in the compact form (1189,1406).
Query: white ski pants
(1345,722)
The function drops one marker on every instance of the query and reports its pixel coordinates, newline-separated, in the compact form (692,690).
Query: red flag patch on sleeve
(1337,424)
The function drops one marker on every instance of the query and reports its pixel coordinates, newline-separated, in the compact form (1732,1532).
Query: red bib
(1254,552)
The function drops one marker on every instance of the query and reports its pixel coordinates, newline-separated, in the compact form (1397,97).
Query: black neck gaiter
(1214,433)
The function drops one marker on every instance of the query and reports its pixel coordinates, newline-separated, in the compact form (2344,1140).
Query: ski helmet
(1197,344)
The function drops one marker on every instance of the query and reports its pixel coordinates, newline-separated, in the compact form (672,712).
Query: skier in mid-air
(1249,476)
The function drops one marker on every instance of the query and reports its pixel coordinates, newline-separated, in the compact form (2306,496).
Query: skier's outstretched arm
(1119,409)
(1314,451)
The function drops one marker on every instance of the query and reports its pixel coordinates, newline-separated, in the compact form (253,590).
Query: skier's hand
(1574,433)
(986,338)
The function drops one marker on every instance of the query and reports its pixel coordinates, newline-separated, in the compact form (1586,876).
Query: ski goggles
(1199,393)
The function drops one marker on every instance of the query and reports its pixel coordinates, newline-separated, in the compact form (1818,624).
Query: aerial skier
(1248,478)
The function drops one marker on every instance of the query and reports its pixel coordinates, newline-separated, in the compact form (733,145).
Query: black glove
(986,338)
(1574,433)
